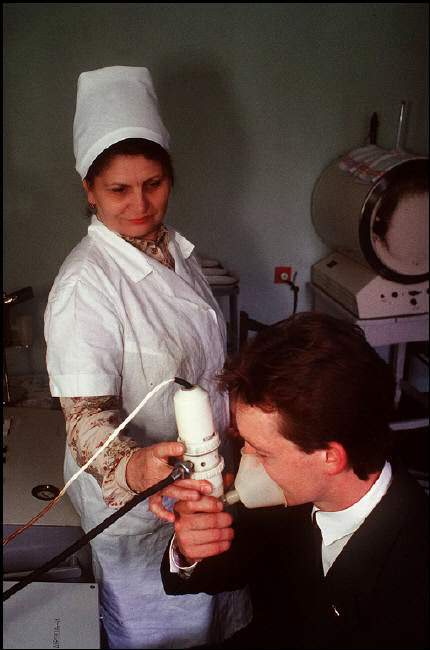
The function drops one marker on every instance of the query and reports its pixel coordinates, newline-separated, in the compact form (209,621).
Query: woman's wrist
(133,470)
(121,472)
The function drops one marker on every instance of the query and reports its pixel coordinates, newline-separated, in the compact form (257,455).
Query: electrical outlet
(282,274)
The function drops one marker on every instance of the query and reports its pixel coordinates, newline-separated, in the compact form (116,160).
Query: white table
(35,456)
(397,332)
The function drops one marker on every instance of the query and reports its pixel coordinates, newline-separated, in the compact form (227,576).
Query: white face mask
(253,486)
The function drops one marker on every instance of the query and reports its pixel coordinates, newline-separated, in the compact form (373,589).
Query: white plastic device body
(197,433)
(196,429)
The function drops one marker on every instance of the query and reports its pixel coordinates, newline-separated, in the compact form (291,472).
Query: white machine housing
(379,232)
(52,615)
(366,294)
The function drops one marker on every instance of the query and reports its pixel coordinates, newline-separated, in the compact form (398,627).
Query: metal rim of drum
(365,228)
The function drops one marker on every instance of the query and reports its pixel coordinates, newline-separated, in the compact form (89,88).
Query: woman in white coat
(130,308)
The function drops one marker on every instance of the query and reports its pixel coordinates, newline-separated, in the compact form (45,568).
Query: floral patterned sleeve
(89,422)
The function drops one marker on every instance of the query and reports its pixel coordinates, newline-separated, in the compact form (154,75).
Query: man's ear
(336,458)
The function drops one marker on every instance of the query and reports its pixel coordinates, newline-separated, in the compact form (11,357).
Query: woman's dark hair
(131,147)
(325,381)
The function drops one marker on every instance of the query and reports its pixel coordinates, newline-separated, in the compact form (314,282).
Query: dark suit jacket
(374,596)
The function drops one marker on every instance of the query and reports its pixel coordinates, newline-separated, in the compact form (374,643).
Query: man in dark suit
(312,400)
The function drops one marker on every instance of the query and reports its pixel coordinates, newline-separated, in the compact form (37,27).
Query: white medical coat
(118,323)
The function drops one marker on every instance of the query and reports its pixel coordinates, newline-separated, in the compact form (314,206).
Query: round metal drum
(383,223)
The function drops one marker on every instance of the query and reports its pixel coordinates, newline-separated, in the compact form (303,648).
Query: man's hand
(202,529)
(184,490)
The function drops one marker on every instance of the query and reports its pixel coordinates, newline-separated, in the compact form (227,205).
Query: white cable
(116,432)
(113,435)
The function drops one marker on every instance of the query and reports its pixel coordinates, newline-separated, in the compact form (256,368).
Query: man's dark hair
(325,381)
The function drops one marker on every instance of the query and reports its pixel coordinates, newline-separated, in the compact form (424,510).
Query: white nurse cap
(114,104)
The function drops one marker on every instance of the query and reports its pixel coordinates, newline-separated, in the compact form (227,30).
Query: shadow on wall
(210,152)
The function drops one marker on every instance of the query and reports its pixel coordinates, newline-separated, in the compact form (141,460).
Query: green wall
(258,99)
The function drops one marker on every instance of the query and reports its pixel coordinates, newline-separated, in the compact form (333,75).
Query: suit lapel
(362,557)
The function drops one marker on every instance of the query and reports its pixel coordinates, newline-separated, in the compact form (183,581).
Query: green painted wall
(258,99)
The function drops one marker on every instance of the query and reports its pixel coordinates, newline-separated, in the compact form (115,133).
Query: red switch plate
(282,274)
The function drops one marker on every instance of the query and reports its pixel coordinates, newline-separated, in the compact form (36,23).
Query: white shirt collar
(335,525)
(137,265)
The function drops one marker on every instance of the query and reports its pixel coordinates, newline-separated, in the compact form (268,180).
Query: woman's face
(131,195)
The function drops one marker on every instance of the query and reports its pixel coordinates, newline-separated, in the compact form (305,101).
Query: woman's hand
(149,465)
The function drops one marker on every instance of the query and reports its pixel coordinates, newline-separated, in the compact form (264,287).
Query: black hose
(178,472)
(295,289)
(183,382)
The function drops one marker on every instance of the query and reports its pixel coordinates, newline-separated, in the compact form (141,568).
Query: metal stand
(6,390)
(9,300)
(15,396)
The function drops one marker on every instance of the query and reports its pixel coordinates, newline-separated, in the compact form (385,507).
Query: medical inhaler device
(196,430)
